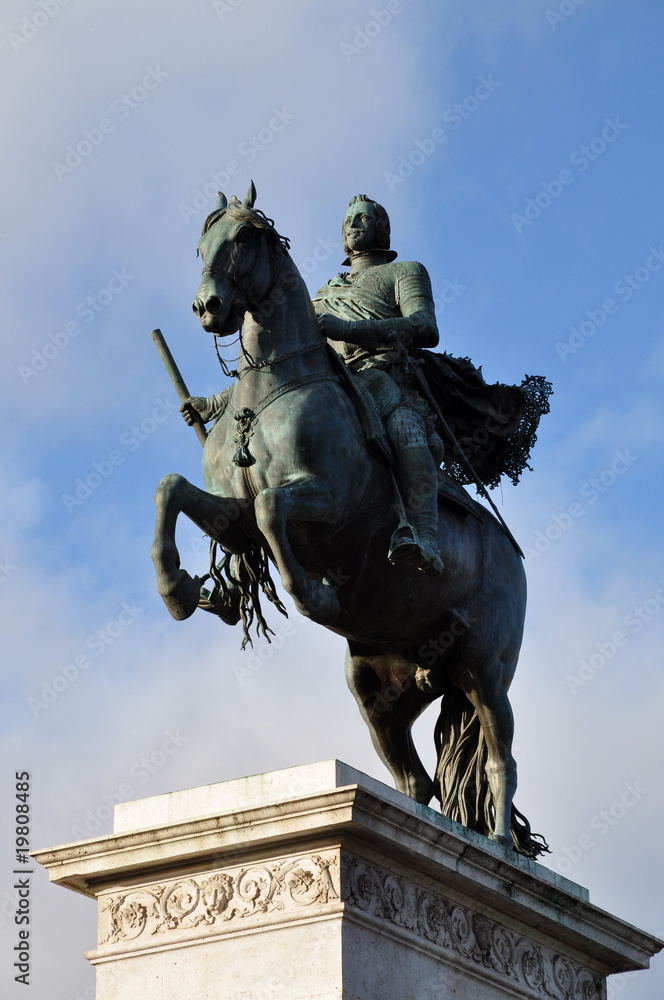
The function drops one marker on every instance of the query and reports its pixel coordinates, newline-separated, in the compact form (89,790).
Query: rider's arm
(415,299)
(416,327)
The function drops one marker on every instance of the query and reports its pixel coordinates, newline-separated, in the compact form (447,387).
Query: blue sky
(335,117)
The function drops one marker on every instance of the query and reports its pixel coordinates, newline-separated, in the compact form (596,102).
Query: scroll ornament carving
(471,935)
(223,896)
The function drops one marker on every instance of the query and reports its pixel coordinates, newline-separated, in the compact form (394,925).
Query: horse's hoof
(322,604)
(503,841)
(182,600)
(420,789)
(226,606)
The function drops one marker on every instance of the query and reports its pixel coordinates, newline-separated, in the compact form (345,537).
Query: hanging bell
(243,457)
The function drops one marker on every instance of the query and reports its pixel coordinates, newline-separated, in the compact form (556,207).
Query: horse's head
(238,246)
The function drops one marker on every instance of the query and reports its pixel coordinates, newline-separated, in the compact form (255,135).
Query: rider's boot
(419,484)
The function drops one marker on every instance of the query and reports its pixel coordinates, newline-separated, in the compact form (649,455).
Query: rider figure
(371,315)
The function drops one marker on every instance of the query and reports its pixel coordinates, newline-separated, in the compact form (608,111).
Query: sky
(517,146)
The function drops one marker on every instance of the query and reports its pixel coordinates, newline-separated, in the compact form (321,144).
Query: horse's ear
(221,200)
(250,197)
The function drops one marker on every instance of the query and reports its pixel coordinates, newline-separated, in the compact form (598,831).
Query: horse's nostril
(195,305)
(213,304)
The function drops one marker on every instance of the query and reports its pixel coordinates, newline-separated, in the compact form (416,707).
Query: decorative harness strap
(208,269)
(258,365)
(246,417)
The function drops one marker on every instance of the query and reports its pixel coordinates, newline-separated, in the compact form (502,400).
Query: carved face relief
(359,227)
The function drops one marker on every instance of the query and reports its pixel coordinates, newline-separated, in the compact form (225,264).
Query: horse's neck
(282,323)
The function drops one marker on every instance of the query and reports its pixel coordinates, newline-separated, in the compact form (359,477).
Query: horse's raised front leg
(304,499)
(216,516)
(390,701)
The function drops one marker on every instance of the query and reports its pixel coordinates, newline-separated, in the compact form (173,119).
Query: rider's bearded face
(359,227)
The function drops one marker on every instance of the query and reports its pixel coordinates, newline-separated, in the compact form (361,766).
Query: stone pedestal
(320,882)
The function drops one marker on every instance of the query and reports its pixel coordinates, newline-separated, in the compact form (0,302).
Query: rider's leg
(419,482)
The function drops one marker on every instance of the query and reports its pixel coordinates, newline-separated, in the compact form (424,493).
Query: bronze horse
(290,476)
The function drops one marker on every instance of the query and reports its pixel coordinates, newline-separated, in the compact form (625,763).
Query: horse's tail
(461,782)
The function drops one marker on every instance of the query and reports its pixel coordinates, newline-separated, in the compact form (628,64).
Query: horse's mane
(236,210)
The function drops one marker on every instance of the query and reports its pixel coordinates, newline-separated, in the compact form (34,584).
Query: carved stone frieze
(464,932)
(225,896)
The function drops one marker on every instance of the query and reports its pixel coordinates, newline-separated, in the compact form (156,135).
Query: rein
(259,365)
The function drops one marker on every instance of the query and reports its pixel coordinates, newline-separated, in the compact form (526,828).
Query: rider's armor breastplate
(384,291)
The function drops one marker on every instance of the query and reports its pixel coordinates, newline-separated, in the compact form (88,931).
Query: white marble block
(320,883)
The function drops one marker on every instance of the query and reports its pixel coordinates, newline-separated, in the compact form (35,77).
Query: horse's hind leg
(390,701)
(495,714)
(216,516)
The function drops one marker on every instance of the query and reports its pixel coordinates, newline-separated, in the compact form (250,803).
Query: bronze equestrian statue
(299,472)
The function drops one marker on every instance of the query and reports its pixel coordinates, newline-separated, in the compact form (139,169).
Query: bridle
(227,276)
(239,283)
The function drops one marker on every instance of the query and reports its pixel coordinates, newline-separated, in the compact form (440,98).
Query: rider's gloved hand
(196,407)
(367,333)
(333,327)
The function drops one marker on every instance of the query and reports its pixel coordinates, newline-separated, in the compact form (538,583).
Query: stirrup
(405,547)
(403,544)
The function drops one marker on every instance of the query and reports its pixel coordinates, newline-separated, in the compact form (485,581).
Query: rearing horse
(287,467)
